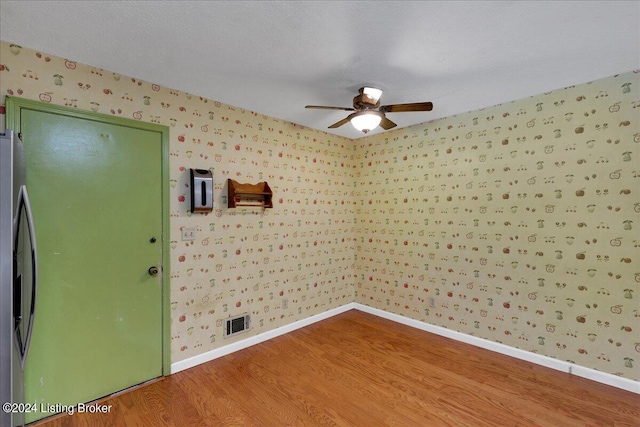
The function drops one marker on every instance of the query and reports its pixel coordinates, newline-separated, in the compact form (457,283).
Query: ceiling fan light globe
(366,120)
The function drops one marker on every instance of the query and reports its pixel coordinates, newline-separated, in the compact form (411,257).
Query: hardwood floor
(356,369)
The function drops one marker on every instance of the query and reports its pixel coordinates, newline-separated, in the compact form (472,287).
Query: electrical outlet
(285,303)
(188,234)
(432,302)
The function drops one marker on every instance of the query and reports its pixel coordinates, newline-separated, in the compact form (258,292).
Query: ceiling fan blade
(324,107)
(341,122)
(387,124)
(401,108)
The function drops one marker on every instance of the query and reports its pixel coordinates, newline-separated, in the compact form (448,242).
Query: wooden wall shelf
(249,195)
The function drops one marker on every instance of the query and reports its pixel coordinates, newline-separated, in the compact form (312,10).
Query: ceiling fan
(368,114)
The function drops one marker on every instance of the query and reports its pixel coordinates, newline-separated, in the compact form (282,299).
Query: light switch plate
(188,234)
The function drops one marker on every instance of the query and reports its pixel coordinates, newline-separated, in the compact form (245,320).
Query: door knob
(153,270)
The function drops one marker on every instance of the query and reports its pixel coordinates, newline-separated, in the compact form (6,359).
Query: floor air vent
(236,325)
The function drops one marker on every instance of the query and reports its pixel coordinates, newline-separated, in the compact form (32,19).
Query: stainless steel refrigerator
(18,275)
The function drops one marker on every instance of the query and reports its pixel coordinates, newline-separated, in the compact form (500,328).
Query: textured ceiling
(276,57)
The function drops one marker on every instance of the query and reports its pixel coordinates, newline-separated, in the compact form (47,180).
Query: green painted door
(96,191)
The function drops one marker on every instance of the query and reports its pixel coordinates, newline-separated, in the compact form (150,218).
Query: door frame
(14,107)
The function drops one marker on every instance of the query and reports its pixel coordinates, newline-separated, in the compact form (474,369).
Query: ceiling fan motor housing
(365,102)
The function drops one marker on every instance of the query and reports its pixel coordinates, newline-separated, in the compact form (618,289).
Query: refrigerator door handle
(23,203)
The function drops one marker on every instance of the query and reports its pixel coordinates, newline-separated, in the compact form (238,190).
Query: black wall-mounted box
(201,184)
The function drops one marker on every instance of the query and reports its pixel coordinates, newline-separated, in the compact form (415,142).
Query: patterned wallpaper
(516,223)
(243,260)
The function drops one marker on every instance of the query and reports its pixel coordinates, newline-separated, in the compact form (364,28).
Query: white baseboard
(239,345)
(538,359)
